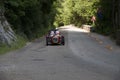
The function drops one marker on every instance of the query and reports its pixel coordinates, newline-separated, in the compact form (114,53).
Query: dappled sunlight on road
(104,41)
(72,28)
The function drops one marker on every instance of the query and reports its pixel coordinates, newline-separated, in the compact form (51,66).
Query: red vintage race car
(54,37)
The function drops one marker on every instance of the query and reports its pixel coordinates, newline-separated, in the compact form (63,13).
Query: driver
(52,33)
(57,32)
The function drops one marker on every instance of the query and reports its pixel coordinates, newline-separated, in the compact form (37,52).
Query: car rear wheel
(46,41)
(63,41)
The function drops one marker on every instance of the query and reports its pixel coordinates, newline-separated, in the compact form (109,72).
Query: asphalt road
(82,58)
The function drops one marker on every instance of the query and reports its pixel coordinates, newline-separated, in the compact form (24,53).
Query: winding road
(85,56)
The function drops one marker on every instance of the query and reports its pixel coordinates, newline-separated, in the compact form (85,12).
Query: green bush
(4,48)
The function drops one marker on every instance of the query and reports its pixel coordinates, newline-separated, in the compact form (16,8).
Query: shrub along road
(82,58)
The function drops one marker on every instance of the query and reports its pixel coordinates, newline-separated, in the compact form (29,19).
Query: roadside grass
(21,42)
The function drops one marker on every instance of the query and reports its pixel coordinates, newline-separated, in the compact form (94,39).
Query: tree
(29,17)
(75,11)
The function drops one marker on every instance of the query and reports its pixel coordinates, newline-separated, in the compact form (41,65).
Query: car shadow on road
(2,76)
(117,77)
(55,45)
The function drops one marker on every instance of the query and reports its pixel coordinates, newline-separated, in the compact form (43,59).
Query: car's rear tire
(46,41)
(63,41)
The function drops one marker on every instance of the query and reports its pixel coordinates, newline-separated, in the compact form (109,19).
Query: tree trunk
(116,19)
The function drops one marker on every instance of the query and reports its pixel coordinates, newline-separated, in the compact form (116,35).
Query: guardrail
(88,28)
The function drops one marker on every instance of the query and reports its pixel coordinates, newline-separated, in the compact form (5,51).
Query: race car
(54,37)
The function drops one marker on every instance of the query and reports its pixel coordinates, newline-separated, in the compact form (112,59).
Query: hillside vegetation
(34,17)
(30,18)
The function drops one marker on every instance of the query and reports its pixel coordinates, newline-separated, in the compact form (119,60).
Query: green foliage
(104,24)
(75,11)
(80,12)
(34,17)
(31,17)
(17,45)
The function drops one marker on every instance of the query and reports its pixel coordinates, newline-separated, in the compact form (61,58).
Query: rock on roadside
(7,35)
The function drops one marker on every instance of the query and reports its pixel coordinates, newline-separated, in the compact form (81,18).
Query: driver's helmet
(52,33)
(57,32)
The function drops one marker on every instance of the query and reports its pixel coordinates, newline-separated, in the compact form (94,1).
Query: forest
(30,18)
(33,18)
